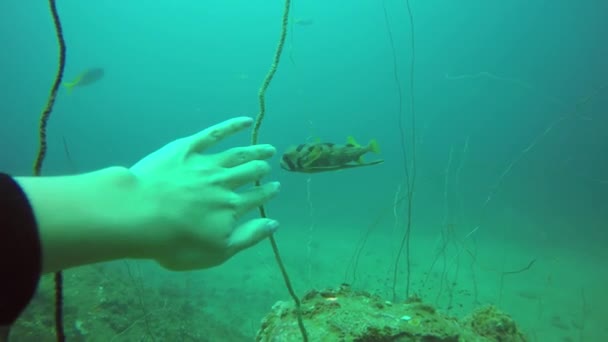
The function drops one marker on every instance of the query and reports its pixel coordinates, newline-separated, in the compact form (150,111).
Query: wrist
(86,218)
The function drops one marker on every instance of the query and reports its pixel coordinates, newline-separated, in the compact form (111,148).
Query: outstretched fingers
(250,233)
(247,173)
(241,155)
(208,137)
(256,197)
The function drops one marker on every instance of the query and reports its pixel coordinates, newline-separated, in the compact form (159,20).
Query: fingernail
(272,226)
(270,149)
(276,186)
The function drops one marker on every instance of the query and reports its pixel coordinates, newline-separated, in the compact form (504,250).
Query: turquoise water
(510,109)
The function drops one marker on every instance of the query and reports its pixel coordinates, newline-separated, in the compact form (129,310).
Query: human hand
(194,201)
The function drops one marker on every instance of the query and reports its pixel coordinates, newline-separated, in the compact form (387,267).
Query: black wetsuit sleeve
(20,251)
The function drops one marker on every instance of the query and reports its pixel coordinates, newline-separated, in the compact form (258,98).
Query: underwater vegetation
(335,314)
(343,314)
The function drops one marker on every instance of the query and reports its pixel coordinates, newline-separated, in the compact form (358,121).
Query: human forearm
(85,218)
(178,206)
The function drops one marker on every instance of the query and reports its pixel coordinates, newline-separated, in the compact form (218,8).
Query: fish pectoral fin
(313,156)
(352,166)
(375,162)
(379,161)
(320,169)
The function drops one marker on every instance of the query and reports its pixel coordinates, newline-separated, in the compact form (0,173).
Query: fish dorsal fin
(351,141)
(313,140)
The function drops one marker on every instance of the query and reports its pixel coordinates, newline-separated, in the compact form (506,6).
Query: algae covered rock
(493,325)
(344,314)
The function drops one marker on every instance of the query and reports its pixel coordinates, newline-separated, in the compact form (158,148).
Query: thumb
(251,232)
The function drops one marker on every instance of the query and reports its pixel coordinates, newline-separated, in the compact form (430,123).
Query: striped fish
(324,156)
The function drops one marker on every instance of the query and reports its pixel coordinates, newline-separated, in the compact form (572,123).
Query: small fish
(303,21)
(323,156)
(85,78)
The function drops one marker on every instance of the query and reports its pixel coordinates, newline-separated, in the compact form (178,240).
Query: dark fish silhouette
(303,21)
(85,78)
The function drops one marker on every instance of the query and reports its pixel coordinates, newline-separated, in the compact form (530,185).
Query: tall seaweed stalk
(254,140)
(409,167)
(41,154)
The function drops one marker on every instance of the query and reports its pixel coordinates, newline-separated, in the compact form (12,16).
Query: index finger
(211,135)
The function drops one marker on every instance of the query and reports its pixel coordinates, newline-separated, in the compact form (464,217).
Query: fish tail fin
(373,146)
(351,141)
(69,86)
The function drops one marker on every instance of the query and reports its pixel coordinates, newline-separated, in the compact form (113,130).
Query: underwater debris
(344,314)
